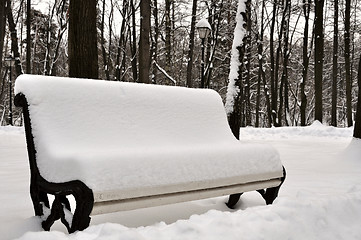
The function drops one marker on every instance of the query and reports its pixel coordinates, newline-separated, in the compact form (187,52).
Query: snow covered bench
(119,146)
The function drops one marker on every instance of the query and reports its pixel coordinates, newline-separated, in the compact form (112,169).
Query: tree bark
(274,86)
(133,43)
(334,66)
(235,117)
(168,28)
(14,38)
(319,54)
(235,88)
(189,82)
(28,36)
(102,42)
(144,45)
(82,43)
(247,85)
(2,31)
(283,91)
(348,64)
(357,128)
(119,66)
(155,42)
(306,60)
(261,73)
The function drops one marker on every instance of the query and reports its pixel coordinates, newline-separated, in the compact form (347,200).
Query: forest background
(300,56)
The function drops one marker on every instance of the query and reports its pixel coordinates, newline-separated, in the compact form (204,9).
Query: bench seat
(137,145)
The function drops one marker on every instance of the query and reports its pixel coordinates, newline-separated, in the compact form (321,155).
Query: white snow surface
(320,199)
(138,139)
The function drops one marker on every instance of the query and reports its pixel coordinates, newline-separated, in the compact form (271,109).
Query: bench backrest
(67,113)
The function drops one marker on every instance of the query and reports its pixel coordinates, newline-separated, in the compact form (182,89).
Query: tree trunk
(2,31)
(261,72)
(82,43)
(144,45)
(274,86)
(319,54)
(189,82)
(63,24)
(119,67)
(357,128)
(28,36)
(235,117)
(14,38)
(102,42)
(134,43)
(284,34)
(235,88)
(47,58)
(247,85)
(155,42)
(348,64)
(306,60)
(168,28)
(334,66)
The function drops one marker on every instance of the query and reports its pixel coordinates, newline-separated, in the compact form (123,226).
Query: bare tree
(2,31)
(235,88)
(274,84)
(189,82)
(334,66)
(120,64)
(144,45)
(102,43)
(357,128)
(28,36)
(305,62)
(347,63)
(155,40)
(83,51)
(133,41)
(168,28)
(14,38)
(247,73)
(261,79)
(283,91)
(319,58)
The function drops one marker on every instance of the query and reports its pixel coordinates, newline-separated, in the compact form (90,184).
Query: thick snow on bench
(136,138)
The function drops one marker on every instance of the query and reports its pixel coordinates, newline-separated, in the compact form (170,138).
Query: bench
(117,146)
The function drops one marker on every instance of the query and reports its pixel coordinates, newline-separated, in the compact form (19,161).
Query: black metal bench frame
(40,188)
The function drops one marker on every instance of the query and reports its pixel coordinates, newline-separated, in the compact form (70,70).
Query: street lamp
(10,62)
(204,29)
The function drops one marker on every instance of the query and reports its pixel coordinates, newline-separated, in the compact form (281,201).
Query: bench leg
(269,195)
(56,213)
(60,208)
(233,200)
(84,205)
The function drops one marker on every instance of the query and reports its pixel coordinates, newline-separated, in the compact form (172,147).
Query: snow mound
(316,129)
(289,218)
(11,130)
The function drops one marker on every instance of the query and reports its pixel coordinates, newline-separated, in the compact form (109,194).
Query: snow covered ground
(320,199)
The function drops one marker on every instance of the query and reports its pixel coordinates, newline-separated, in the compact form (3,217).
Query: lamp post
(10,61)
(204,29)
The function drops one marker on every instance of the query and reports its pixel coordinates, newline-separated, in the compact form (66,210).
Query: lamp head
(204,28)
